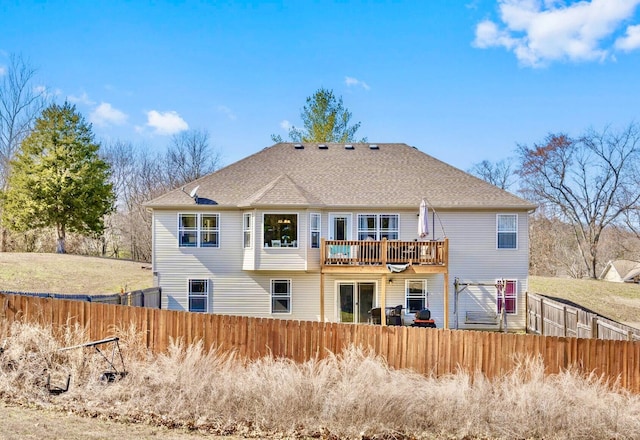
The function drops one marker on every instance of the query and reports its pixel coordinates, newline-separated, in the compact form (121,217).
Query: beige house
(327,232)
(621,271)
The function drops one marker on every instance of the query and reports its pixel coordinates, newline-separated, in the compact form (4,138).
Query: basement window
(198,295)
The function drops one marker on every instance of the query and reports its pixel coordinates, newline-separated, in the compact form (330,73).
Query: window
(198,230)
(507,226)
(280,296)
(280,230)
(246,229)
(314,230)
(209,230)
(416,295)
(198,295)
(510,296)
(188,230)
(378,226)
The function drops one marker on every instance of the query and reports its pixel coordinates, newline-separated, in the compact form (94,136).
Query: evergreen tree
(325,120)
(58,178)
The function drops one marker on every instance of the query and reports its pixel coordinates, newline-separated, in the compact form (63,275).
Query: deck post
(446,299)
(383,300)
(322,254)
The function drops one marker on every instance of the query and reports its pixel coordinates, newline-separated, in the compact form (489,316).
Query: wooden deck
(374,256)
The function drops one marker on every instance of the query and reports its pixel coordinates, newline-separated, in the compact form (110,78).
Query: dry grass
(617,301)
(55,273)
(353,395)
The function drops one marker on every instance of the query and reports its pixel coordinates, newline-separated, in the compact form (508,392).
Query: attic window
(298,147)
(348,147)
(374,147)
(323,147)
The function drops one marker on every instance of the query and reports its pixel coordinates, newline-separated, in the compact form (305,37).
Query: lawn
(617,301)
(55,273)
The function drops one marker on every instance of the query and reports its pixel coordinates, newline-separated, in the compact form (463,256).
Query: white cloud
(82,99)
(631,39)
(104,115)
(3,70)
(227,111)
(166,123)
(350,81)
(539,32)
(285,125)
(47,93)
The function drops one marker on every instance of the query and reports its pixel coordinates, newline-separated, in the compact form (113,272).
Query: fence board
(427,351)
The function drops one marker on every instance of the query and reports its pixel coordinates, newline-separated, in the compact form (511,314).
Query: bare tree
(20,103)
(553,250)
(589,182)
(139,176)
(500,174)
(190,157)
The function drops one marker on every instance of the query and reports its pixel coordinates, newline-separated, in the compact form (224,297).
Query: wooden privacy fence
(552,318)
(424,350)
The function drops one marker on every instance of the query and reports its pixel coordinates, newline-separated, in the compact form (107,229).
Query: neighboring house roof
(625,270)
(393,175)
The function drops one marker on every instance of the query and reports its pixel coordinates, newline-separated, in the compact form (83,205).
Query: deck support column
(383,300)
(321,296)
(323,252)
(446,299)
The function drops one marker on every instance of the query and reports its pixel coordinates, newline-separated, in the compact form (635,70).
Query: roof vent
(298,147)
(374,147)
(348,147)
(323,146)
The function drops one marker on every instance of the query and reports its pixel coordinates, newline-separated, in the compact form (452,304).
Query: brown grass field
(192,393)
(617,301)
(55,273)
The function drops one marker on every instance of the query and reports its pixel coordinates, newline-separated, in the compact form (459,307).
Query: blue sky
(461,81)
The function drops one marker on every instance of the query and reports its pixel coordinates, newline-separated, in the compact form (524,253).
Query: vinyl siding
(473,258)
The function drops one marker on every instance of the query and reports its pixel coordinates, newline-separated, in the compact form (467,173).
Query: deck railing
(363,252)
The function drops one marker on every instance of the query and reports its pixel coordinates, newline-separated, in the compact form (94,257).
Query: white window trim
(289,295)
(199,229)
(498,232)
(247,229)
(206,295)
(312,229)
(297,214)
(378,223)
(330,223)
(515,296)
(406,293)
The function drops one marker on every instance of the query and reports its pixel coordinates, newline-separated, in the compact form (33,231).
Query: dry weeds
(351,395)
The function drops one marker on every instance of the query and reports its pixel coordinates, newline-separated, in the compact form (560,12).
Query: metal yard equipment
(115,371)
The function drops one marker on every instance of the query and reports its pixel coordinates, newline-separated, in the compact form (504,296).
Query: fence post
(594,326)
(542,316)
(564,321)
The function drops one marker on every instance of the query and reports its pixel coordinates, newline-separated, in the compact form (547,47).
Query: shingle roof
(394,175)
(625,268)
